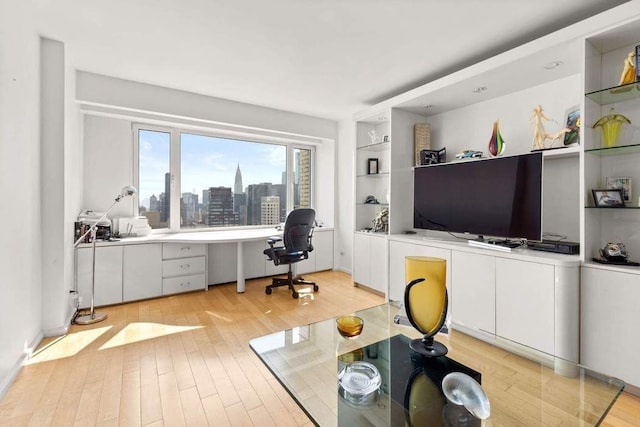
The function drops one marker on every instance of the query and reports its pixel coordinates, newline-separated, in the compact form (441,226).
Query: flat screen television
(500,197)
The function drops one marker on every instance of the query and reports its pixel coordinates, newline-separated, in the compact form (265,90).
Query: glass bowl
(350,326)
(359,383)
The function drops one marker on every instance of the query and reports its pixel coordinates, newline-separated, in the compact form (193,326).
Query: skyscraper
(221,207)
(166,203)
(255,193)
(270,210)
(239,198)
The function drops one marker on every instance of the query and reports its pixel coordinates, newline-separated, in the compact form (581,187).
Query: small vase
(496,144)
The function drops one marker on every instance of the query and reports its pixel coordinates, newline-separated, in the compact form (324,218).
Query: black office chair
(298,231)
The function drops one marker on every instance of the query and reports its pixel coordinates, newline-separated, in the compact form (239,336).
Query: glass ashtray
(359,383)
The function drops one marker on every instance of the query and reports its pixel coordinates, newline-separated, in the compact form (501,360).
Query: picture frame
(608,198)
(372,167)
(572,122)
(621,182)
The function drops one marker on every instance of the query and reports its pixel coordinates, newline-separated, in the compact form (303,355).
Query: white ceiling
(325,58)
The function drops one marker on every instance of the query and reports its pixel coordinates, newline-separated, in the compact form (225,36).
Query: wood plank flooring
(185,360)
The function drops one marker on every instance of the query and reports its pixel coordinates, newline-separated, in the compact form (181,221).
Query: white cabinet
(525,303)
(473,296)
(370,261)
(108,278)
(142,271)
(321,258)
(610,337)
(184,267)
(398,251)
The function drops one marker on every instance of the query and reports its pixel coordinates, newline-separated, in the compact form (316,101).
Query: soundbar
(556,246)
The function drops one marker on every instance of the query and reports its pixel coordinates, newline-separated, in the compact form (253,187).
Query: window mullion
(174,219)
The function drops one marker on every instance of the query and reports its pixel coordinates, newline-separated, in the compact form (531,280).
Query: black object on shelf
(617,262)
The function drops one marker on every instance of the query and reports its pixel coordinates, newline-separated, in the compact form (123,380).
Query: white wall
(20,209)
(113,105)
(344,196)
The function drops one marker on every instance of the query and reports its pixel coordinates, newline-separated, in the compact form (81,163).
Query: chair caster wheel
(295,295)
(315,288)
(267,291)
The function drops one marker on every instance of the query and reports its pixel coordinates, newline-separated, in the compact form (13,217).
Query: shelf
(611,267)
(378,146)
(374,175)
(561,153)
(615,151)
(616,94)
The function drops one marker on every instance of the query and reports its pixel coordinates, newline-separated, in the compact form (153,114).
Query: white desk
(222,236)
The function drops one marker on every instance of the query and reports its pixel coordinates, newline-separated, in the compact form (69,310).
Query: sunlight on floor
(67,345)
(141,331)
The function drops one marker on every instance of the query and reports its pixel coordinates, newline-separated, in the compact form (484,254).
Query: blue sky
(207,162)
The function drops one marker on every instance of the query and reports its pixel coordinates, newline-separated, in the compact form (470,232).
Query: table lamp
(93,316)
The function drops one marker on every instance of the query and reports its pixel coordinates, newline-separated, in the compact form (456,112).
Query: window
(219,181)
(154,189)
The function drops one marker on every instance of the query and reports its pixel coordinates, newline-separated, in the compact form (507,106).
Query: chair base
(289,281)
(433,349)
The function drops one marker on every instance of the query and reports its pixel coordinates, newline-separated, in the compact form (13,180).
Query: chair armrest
(273,239)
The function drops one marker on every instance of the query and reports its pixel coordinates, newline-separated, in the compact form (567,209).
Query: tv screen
(500,197)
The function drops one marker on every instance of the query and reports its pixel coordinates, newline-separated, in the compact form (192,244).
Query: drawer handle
(185,265)
(185,248)
(185,284)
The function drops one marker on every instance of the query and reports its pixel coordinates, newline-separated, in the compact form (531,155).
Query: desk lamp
(93,316)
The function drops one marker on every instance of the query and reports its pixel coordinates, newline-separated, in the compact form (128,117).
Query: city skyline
(210,162)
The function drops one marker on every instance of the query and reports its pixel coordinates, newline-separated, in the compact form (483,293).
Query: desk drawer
(183,266)
(182,250)
(176,285)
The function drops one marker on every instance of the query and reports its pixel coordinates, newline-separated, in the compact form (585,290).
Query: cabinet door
(525,303)
(610,337)
(361,256)
(397,253)
(254,259)
(323,249)
(142,271)
(473,301)
(378,261)
(108,279)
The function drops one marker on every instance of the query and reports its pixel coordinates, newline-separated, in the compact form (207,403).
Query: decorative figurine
(610,125)
(373,135)
(540,135)
(496,144)
(629,70)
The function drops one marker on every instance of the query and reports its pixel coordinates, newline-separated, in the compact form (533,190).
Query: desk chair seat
(297,236)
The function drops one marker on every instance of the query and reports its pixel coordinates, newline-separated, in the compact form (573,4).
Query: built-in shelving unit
(591,54)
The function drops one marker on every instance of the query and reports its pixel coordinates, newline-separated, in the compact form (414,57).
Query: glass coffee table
(528,391)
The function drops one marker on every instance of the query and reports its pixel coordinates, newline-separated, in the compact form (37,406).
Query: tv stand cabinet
(518,298)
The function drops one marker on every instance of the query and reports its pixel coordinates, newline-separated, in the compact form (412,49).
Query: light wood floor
(185,360)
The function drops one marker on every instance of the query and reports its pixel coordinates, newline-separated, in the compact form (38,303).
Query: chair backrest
(298,230)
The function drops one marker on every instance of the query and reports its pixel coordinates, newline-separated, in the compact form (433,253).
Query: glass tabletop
(532,390)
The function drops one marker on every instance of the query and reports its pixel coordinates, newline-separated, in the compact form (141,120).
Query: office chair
(425,301)
(298,231)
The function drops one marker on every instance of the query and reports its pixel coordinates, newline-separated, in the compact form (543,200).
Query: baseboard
(61,330)
(15,370)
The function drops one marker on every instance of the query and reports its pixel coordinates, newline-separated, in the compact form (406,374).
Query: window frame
(175,142)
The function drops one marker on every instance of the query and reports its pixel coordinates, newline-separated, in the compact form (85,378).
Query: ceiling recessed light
(480,89)
(553,64)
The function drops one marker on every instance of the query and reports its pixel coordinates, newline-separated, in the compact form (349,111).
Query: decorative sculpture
(540,135)
(461,389)
(496,144)
(629,70)
(610,125)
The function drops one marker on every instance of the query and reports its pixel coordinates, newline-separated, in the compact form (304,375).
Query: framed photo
(621,182)
(372,166)
(608,198)
(572,122)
